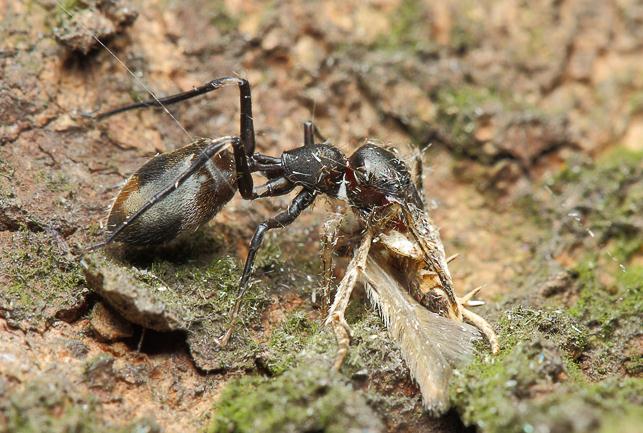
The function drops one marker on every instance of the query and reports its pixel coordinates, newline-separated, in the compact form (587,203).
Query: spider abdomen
(192,204)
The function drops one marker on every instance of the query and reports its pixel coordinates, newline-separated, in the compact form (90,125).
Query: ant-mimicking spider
(178,191)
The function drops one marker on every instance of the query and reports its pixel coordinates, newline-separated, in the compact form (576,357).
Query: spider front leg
(242,154)
(335,316)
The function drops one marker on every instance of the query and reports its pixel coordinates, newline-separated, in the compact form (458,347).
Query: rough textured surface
(303,399)
(532,121)
(47,404)
(195,299)
(572,358)
(80,20)
(108,324)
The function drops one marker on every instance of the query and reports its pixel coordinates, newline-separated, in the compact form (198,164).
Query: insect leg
(328,244)
(304,199)
(484,327)
(478,321)
(428,239)
(335,317)
(212,149)
(419,177)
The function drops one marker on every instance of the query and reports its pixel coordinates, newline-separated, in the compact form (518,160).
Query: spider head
(377,178)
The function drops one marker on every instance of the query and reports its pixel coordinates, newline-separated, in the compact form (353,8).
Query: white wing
(430,344)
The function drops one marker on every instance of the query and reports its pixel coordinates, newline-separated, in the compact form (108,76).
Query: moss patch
(571,368)
(49,405)
(408,30)
(186,288)
(222,19)
(535,383)
(459,110)
(308,398)
(299,339)
(605,196)
(43,283)
(288,340)
(373,363)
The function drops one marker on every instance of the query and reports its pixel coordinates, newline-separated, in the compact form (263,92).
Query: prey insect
(178,191)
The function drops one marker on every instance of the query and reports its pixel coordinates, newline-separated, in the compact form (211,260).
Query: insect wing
(430,344)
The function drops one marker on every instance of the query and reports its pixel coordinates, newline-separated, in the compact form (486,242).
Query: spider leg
(247,133)
(310,132)
(335,316)
(304,199)
(276,186)
(212,149)
(268,166)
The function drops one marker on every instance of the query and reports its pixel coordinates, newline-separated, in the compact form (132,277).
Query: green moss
(612,314)
(59,182)
(604,308)
(189,285)
(607,198)
(466,31)
(138,94)
(48,405)
(309,398)
(194,288)
(408,30)
(607,193)
(43,282)
(270,254)
(288,340)
(202,296)
(626,421)
(65,10)
(534,383)
(222,19)
(459,109)
(69,5)
(371,346)
(636,103)
(566,369)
